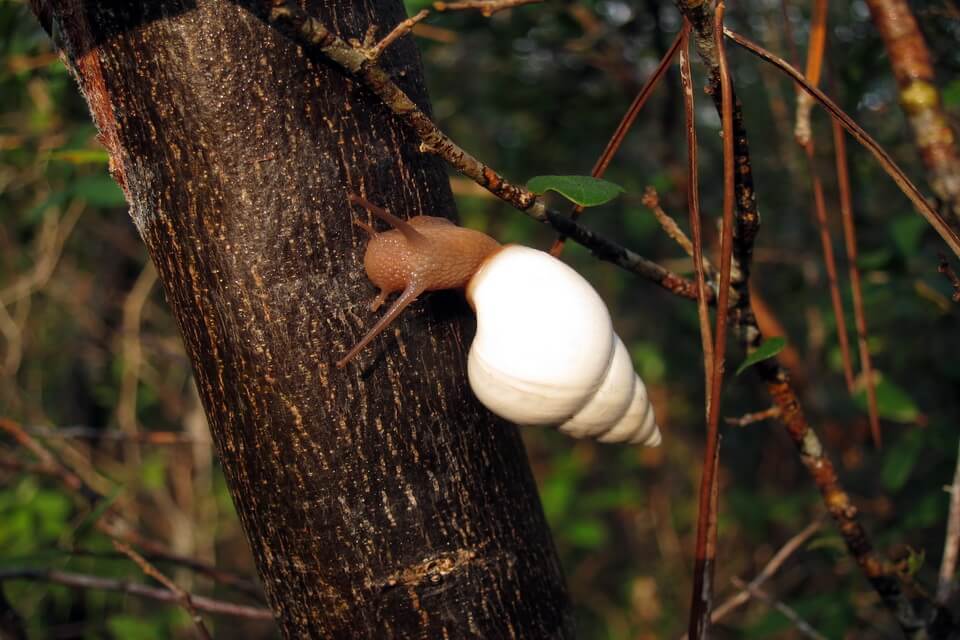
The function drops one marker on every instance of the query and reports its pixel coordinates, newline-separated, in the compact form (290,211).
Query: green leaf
(769,348)
(81,156)
(872,260)
(893,403)
(582,190)
(951,94)
(915,561)
(99,191)
(133,628)
(900,460)
(413,6)
(587,534)
(907,231)
(829,542)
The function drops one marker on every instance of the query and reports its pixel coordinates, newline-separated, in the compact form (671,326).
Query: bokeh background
(92,366)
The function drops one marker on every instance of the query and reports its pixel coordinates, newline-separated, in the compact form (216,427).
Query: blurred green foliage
(532,91)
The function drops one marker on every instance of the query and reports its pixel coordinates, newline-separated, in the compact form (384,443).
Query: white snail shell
(545,352)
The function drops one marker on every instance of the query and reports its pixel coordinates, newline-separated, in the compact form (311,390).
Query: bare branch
(310,32)
(769,570)
(951,545)
(705,554)
(82,581)
(802,625)
(859,317)
(486,7)
(753,418)
(184,598)
(899,177)
(620,133)
(700,265)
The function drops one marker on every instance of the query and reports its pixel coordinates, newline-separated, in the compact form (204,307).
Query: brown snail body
(545,351)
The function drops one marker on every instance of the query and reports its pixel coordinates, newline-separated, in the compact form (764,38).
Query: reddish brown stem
(693,205)
(705,555)
(860,320)
(815,48)
(830,264)
(600,167)
(886,162)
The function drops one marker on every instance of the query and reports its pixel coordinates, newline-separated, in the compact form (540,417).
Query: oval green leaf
(582,190)
(893,402)
(768,349)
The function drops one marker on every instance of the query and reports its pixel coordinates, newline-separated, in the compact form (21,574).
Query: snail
(545,352)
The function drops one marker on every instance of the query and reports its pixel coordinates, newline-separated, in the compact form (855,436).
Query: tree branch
(82,581)
(312,33)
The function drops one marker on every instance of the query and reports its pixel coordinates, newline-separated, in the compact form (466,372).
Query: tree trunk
(380,500)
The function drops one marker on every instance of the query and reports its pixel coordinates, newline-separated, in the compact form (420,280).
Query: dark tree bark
(380,500)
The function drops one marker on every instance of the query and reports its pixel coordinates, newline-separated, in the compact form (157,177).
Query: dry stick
(705,554)
(859,318)
(861,136)
(613,145)
(486,7)
(693,207)
(184,598)
(312,33)
(398,32)
(801,625)
(82,581)
(95,433)
(768,571)
(776,378)
(752,418)
(913,69)
(802,131)
(111,523)
(830,263)
(951,545)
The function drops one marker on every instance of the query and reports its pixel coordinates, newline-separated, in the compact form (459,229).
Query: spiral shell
(545,352)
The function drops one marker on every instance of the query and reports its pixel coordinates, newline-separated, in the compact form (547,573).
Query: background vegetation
(91,364)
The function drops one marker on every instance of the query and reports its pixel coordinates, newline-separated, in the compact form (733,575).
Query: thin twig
(818,31)
(861,136)
(769,570)
(486,7)
(651,200)
(312,33)
(790,614)
(830,265)
(95,433)
(398,32)
(132,361)
(620,133)
(705,554)
(693,206)
(82,581)
(110,522)
(859,317)
(184,598)
(809,447)
(951,545)
(818,38)
(753,418)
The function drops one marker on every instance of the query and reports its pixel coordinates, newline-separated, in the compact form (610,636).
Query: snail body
(545,352)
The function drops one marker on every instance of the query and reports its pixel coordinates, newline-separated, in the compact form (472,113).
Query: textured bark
(920,99)
(380,500)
